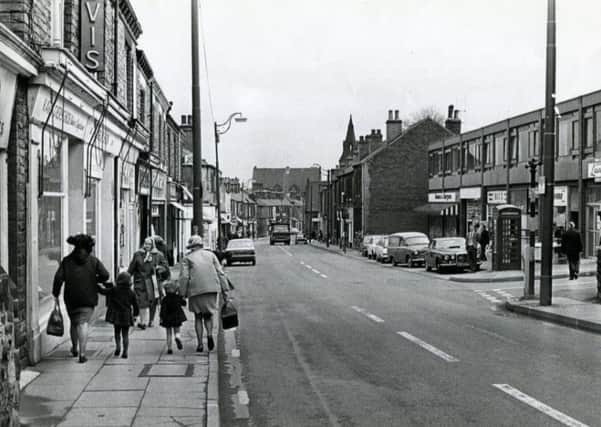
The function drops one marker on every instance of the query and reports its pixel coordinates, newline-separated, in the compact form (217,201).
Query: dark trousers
(471,254)
(122,335)
(483,252)
(574,265)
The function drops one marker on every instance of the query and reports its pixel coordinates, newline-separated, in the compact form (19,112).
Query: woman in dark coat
(80,271)
(147,263)
(122,308)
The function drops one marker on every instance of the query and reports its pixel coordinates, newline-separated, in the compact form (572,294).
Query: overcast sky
(297,69)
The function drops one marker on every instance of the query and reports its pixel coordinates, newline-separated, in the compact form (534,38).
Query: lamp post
(220,129)
(196,135)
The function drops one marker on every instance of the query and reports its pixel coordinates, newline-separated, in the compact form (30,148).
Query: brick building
(378,192)
(85,142)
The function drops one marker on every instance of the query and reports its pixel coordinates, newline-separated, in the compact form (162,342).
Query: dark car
(407,248)
(447,253)
(240,250)
(300,238)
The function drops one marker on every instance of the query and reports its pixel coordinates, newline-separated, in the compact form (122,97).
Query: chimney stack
(453,122)
(394,127)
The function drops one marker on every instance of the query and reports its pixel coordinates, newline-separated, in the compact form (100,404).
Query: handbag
(229,315)
(56,326)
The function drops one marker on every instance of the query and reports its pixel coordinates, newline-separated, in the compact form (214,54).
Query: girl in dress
(172,315)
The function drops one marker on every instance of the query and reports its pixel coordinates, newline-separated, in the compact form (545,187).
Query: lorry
(279,232)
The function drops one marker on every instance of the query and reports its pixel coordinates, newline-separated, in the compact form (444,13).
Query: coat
(484,238)
(122,305)
(172,315)
(80,274)
(142,273)
(571,244)
(201,273)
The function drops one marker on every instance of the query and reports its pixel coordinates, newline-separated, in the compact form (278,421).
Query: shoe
(169,351)
(117,352)
(141,326)
(178,343)
(83,359)
(74,352)
(150,324)
(124,355)
(199,349)
(210,343)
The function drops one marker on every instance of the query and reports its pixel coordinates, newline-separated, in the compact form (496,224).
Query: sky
(298,69)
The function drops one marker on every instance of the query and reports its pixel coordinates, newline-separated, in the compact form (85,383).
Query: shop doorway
(593,223)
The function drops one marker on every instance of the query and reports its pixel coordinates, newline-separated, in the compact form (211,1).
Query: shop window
(513,147)
(142,106)
(487,152)
(129,75)
(447,161)
(523,144)
(564,135)
(92,211)
(533,144)
(50,238)
(597,119)
(456,158)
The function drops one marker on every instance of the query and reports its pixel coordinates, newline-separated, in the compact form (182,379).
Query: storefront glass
(92,210)
(50,214)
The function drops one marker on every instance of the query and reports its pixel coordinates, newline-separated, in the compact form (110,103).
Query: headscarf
(148,255)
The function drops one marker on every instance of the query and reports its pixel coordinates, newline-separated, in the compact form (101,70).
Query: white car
(381,250)
(371,245)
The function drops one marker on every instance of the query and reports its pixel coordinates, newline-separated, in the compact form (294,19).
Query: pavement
(149,388)
(577,309)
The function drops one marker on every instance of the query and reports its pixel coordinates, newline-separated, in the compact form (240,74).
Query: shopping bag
(229,315)
(155,286)
(56,326)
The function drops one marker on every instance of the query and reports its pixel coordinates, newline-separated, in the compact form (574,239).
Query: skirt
(119,317)
(203,304)
(80,315)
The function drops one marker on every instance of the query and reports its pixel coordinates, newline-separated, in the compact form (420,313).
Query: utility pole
(196,136)
(532,212)
(549,164)
(217,187)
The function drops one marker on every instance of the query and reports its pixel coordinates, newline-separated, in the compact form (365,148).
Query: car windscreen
(239,244)
(280,229)
(450,244)
(417,240)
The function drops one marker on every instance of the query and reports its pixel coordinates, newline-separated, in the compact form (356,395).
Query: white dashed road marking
(547,410)
(285,251)
(504,294)
(488,297)
(243,397)
(367,314)
(315,271)
(428,347)
(324,276)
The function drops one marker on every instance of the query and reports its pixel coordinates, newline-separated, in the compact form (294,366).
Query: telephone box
(508,238)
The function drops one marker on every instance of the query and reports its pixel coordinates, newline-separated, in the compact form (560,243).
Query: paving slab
(96,417)
(112,399)
(119,377)
(169,421)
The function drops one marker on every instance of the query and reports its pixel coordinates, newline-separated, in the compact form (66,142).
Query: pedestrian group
(138,291)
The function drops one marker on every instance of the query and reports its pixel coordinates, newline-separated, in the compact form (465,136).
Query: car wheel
(229,263)
(408,261)
(438,267)
(254,261)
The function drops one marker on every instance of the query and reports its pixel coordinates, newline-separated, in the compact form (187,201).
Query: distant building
(290,182)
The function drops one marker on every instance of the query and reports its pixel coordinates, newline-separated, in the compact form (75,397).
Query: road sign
(541,185)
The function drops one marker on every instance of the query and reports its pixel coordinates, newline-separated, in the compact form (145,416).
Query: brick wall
(9,366)
(29,20)
(72,41)
(122,66)
(107,76)
(398,182)
(18,176)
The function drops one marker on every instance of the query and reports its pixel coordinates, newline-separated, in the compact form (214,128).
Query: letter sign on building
(92,34)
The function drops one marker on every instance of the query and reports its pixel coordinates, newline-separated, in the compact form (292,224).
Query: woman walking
(201,279)
(80,271)
(122,308)
(148,268)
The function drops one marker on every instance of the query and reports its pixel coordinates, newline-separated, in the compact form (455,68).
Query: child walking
(172,315)
(122,308)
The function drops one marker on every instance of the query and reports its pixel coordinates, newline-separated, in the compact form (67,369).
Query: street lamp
(220,129)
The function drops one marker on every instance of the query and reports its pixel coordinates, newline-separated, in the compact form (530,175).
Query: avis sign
(92,34)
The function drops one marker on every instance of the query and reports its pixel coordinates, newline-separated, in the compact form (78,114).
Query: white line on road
(236,353)
(315,271)
(488,297)
(285,251)
(308,266)
(547,410)
(302,262)
(324,276)
(428,347)
(367,314)
(504,293)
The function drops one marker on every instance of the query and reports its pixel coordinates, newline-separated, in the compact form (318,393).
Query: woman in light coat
(201,279)
(149,268)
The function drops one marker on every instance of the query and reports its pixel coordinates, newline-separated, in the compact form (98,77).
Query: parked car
(300,238)
(447,253)
(407,248)
(371,246)
(382,250)
(365,244)
(240,250)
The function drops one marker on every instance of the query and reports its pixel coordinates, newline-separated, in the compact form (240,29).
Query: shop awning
(435,209)
(178,206)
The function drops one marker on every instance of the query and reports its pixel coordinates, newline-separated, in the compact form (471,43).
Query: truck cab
(279,232)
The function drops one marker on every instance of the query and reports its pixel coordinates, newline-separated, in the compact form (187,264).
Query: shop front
(159,193)
(73,144)
(471,207)
(443,211)
(128,235)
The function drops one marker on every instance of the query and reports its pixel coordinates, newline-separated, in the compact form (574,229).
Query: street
(327,339)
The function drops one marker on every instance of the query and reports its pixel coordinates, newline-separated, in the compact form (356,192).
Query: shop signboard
(143,178)
(158,186)
(92,34)
(7,95)
(172,191)
(472,193)
(561,196)
(496,197)
(594,171)
(442,197)
(128,174)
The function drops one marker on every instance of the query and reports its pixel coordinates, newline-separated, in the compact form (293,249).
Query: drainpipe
(116,48)
(149,225)
(582,204)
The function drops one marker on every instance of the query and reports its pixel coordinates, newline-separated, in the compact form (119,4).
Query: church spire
(350,132)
